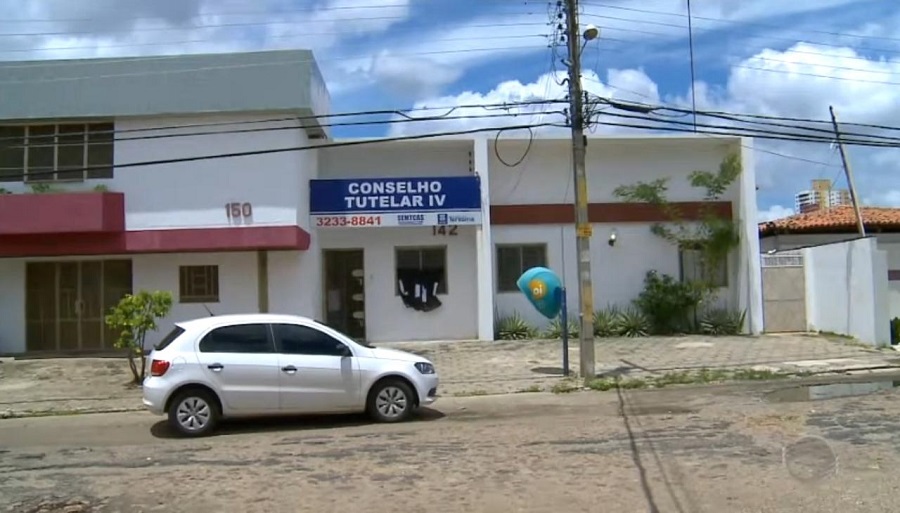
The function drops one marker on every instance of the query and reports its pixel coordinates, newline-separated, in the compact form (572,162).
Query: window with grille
(512,261)
(199,284)
(422,259)
(56,152)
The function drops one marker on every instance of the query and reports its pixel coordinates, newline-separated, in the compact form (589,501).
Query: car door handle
(290,369)
(215,367)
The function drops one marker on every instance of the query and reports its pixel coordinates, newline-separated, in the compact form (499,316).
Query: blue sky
(762,56)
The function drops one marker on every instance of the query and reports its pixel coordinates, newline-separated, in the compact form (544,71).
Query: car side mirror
(345,351)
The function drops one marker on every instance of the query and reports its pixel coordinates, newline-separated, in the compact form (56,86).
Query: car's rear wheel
(391,401)
(194,412)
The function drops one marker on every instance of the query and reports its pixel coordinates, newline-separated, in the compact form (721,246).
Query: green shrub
(555,329)
(513,327)
(895,330)
(5,191)
(722,321)
(668,304)
(632,322)
(134,317)
(606,322)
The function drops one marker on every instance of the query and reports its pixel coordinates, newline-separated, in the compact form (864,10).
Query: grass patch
(565,386)
(530,390)
(470,393)
(699,377)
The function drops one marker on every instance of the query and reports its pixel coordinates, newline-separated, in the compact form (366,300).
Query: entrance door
(66,303)
(345,292)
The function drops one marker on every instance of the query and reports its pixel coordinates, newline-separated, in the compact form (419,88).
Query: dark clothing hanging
(418,289)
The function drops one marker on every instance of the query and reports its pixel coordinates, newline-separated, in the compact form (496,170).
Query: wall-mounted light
(612,238)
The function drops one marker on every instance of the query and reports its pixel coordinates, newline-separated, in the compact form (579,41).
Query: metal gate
(784,292)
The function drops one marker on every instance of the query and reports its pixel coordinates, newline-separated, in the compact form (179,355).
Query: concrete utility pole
(849,172)
(583,229)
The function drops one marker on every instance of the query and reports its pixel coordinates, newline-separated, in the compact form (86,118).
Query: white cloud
(793,93)
(65,29)
(622,84)
(774,212)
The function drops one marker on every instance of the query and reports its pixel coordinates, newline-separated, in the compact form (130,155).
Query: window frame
(720,278)
(520,247)
(89,130)
(279,348)
(443,286)
(196,299)
(269,338)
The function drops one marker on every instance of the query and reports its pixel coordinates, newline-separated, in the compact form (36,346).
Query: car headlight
(425,368)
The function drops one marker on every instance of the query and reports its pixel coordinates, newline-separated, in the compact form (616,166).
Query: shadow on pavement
(292,423)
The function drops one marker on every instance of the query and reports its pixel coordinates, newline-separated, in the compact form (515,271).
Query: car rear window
(168,339)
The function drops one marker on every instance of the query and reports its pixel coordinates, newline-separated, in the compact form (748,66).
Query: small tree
(134,317)
(712,235)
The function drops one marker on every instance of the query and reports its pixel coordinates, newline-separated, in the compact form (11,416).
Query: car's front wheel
(391,401)
(193,412)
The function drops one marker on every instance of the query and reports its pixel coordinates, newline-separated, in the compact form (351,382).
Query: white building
(236,234)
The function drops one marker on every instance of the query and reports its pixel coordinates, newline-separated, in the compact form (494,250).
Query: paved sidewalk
(29,387)
(510,366)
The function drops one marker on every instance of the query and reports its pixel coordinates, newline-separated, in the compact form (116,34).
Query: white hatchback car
(265,364)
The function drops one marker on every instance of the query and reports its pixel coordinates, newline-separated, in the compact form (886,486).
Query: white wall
(847,290)
(237,284)
(12,305)
(889,242)
(387,319)
(194,194)
(545,177)
(295,282)
(385,160)
(618,271)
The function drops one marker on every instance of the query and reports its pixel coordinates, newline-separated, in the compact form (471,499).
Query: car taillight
(159,367)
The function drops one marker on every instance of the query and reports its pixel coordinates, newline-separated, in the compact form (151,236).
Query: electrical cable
(638,107)
(524,153)
(270,151)
(398,112)
(747,23)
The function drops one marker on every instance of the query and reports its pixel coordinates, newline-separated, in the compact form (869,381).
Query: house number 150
(237,210)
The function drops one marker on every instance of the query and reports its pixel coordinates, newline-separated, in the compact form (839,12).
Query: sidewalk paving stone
(73,385)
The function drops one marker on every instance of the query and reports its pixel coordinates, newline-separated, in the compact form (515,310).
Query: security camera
(612,239)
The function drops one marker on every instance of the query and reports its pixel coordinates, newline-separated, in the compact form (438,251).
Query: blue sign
(374,202)
(543,289)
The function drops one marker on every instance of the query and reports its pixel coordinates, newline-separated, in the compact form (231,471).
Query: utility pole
(583,229)
(848,172)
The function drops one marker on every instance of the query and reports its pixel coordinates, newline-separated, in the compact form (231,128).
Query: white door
(318,372)
(241,364)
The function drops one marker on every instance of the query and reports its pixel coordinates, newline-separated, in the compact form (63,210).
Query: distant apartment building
(820,196)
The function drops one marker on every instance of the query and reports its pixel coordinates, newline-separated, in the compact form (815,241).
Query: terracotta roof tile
(835,220)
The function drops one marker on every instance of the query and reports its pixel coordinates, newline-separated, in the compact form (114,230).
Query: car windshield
(358,341)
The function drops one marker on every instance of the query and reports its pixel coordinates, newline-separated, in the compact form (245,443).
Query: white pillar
(750,271)
(485,258)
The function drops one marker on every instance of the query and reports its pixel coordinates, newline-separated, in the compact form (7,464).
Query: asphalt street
(699,449)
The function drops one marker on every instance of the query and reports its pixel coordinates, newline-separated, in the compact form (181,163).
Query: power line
(270,151)
(739,22)
(774,38)
(725,130)
(404,113)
